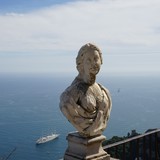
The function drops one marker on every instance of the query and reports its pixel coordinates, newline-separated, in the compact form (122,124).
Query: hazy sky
(45,35)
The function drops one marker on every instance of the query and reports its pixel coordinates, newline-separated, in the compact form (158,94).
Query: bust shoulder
(106,91)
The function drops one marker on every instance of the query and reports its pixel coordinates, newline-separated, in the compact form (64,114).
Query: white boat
(47,138)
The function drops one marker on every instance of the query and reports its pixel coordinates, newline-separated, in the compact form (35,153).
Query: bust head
(89,60)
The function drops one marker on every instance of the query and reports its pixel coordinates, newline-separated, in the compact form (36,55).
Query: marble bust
(86,103)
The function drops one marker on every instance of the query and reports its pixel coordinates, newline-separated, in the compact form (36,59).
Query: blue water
(29,109)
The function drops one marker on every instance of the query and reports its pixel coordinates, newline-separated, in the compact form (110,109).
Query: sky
(38,36)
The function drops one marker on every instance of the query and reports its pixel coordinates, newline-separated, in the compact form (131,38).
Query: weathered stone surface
(84,148)
(85,103)
(87,106)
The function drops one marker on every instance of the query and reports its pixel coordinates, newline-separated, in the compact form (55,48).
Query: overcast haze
(45,36)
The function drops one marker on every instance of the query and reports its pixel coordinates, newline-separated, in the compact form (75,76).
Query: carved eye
(96,58)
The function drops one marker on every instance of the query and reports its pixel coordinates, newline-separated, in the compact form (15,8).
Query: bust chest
(91,97)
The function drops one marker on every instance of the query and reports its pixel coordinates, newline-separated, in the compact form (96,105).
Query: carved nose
(94,64)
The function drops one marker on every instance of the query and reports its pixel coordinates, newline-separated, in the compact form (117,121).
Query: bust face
(92,63)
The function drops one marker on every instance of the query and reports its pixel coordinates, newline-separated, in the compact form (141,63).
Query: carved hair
(81,54)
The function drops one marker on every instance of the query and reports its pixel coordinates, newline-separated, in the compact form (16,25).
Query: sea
(29,109)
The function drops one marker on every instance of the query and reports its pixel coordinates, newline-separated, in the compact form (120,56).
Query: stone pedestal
(82,148)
